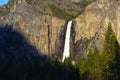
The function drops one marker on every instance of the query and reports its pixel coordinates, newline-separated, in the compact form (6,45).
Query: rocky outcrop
(47,33)
(39,29)
(92,24)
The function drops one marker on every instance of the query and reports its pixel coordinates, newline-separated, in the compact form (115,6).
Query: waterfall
(66,52)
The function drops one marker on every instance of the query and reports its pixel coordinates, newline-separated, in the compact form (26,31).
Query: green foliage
(67,62)
(102,66)
(68,12)
(59,13)
(112,50)
(93,66)
(110,43)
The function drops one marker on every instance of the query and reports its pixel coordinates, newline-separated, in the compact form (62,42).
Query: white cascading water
(66,52)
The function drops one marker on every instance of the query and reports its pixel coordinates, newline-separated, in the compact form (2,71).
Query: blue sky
(2,2)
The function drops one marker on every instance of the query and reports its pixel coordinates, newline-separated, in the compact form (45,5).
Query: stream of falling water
(66,52)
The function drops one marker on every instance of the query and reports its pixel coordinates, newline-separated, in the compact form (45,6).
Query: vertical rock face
(60,41)
(92,24)
(47,33)
(39,29)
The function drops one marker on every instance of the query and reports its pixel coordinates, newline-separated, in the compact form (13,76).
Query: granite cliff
(39,29)
(45,31)
(92,24)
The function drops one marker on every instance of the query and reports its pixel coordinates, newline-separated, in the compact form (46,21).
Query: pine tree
(109,43)
(111,49)
(92,67)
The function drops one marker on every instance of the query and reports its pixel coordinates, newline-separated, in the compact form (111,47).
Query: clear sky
(2,2)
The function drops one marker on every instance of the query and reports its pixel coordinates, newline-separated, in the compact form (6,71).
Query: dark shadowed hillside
(19,60)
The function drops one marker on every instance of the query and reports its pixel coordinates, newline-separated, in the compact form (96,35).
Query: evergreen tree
(110,43)
(92,67)
(111,49)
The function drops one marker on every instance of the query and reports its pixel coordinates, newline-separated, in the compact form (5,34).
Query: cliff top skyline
(2,2)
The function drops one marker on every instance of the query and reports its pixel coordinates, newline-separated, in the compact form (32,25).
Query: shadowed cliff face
(19,60)
(14,46)
(60,41)
(59,44)
(16,55)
